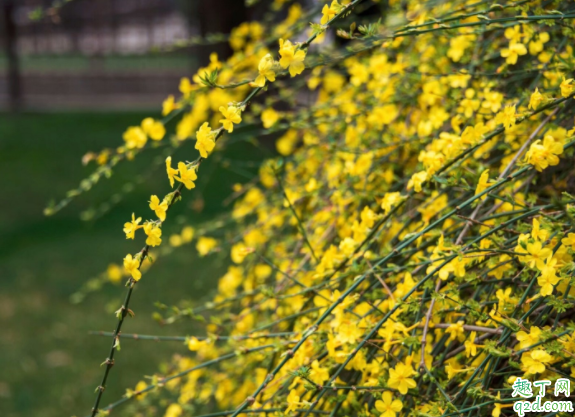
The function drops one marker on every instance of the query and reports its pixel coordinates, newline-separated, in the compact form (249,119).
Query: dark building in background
(13,81)
(105,53)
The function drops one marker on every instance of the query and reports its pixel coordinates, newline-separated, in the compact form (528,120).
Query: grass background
(49,365)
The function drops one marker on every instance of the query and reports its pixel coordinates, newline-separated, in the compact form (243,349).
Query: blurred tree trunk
(14,84)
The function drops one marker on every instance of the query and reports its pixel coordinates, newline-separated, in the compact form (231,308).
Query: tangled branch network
(408,251)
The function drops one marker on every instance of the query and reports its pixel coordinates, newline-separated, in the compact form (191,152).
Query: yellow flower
(153,128)
(534,362)
(503,267)
(114,273)
(328,260)
(187,175)
(194,344)
(368,217)
(548,279)
(328,12)
(470,346)
(174,410)
(140,386)
(265,69)
(483,183)
(287,143)
(359,74)
(569,342)
(293,401)
(536,46)
(567,87)
(492,101)
(205,142)
(498,406)
(159,208)
(472,134)
(175,240)
(292,58)
(453,368)
(399,378)
(135,137)
(431,160)
(154,234)
(239,252)
(537,233)
(536,255)
(383,115)
(318,374)
(569,241)
(457,47)
(512,53)
(458,267)
(507,117)
(131,227)
(389,201)
(513,34)
(536,99)
(171,171)
(131,266)
(269,117)
(543,155)
(347,246)
(169,105)
(528,339)
(231,115)
(504,297)
(416,180)
(348,333)
(187,234)
(456,331)
(205,245)
(387,406)
(186,87)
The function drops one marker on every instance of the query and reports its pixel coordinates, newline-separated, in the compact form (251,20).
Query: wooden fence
(78,55)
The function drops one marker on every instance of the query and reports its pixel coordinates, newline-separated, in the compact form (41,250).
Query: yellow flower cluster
(137,136)
(411,251)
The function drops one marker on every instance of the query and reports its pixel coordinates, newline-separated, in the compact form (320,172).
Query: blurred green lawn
(49,365)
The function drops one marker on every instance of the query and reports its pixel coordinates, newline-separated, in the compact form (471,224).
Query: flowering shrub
(410,251)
